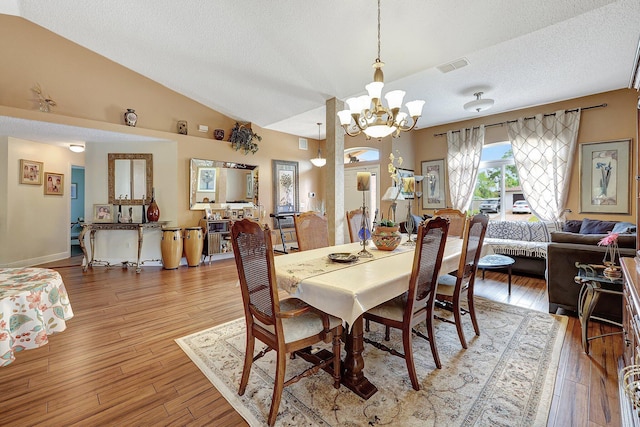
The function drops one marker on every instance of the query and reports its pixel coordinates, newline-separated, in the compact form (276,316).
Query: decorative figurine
(182,127)
(130,117)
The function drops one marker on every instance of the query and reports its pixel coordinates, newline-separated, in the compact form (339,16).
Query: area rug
(505,377)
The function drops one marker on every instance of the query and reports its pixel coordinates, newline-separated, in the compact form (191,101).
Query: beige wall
(615,121)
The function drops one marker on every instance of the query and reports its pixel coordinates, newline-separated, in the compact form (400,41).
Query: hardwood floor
(117,362)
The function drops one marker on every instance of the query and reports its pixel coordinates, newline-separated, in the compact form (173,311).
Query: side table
(593,284)
(496,262)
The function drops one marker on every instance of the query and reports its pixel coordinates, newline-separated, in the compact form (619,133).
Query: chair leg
(457,314)
(387,333)
(472,312)
(431,333)
(408,358)
(248,361)
(278,386)
(336,360)
(366,325)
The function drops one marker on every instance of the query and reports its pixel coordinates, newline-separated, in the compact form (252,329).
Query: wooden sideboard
(217,237)
(630,413)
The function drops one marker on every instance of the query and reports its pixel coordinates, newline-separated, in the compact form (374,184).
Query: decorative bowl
(386,238)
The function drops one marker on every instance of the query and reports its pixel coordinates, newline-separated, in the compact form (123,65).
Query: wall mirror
(213,183)
(130,178)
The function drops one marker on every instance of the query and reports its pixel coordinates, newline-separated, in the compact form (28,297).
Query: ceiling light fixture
(370,116)
(76,148)
(478,104)
(319,161)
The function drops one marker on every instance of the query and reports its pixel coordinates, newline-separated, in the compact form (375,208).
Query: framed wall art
(103,213)
(434,184)
(206,179)
(285,189)
(408,182)
(604,177)
(30,172)
(54,183)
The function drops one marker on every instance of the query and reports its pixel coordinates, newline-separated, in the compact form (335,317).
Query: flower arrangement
(611,242)
(393,169)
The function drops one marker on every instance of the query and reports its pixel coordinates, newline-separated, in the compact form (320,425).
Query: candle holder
(363,179)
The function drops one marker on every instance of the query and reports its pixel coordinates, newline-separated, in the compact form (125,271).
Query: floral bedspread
(33,304)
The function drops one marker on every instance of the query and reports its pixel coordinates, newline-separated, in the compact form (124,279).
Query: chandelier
(319,161)
(368,113)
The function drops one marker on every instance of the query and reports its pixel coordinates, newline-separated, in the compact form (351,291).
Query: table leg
(140,234)
(84,247)
(92,240)
(509,279)
(353,377)
(588,299)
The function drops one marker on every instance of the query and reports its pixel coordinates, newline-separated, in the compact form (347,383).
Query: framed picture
(285,190)
(206,179)
(54,183)
(30,172)
(605,172)
(103,213)
(408,183)
(207,213)
(248,212)
(249,186)
(234,214)
(434,184)
(74,190)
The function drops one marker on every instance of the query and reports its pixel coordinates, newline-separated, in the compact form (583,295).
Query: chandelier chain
(378,60)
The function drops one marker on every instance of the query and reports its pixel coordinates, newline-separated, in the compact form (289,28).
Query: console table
(92,228)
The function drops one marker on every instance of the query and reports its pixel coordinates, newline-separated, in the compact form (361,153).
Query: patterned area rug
(505,377)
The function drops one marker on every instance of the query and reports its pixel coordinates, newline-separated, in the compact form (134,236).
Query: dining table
(349,288)
(33,305)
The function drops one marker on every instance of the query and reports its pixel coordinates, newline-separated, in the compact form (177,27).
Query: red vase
(153,211)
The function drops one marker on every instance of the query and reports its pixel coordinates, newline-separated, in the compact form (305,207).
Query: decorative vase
(386,238)
(130,117)
(153,211)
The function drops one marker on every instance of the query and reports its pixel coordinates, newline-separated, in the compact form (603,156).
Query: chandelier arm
(346,130)
(408,128)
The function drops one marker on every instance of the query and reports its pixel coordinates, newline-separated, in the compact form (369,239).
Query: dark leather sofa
(565,249)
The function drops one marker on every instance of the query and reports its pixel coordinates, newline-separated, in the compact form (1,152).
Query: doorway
(77,207)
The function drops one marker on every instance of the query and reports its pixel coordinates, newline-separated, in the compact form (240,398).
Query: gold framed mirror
(130,178)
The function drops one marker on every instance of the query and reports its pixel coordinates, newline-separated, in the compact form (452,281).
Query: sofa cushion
(572,226)
(596,226)
(624,241)
(624,228)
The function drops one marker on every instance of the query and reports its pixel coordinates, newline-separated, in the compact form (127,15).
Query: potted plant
(242,138)
(386,236)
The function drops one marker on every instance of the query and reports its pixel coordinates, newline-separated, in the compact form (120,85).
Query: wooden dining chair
(417,304)
(451,287)
(312,230)
(286,326)
(457,220)
(354,222)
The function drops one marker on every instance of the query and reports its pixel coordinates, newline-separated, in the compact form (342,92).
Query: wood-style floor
(117,362)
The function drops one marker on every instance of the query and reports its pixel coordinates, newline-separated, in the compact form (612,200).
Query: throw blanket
(520,238)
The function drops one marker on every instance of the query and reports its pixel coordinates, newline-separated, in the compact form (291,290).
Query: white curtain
(463,160)
(543,150)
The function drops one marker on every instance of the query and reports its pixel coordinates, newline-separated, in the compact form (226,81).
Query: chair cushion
(303,326)
(392,309)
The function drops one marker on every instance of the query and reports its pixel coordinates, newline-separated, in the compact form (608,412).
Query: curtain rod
(526,118)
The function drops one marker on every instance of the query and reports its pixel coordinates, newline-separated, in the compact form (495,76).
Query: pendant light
(319,161)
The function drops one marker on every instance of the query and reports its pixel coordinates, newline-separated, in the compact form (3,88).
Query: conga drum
(171,247)
(193,242)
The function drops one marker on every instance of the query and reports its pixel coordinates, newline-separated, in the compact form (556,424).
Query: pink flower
(609,239)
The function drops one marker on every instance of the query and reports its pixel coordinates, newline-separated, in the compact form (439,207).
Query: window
(498,185)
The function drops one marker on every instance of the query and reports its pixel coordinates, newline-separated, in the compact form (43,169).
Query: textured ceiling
(275,63)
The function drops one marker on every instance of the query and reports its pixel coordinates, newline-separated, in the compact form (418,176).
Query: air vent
(453,65)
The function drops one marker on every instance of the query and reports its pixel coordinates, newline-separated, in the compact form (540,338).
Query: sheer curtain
(463,160)
(543,150)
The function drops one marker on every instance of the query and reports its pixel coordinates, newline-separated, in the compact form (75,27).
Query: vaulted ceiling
(275,63)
